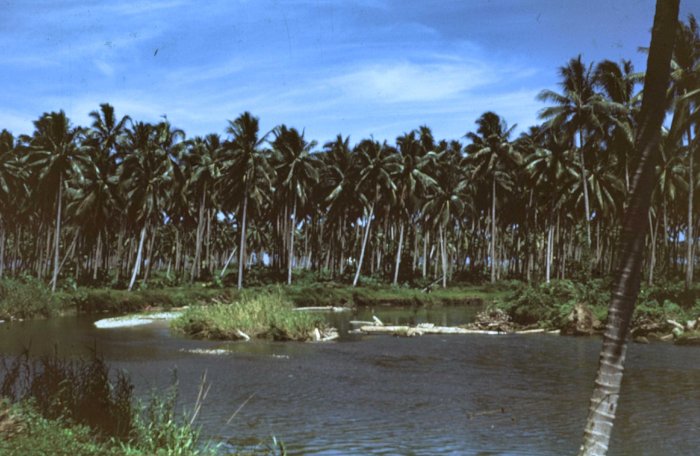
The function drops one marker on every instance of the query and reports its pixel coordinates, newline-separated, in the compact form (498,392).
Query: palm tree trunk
(364,246)
(443,252)
(241,251)
(653,230)
(689,237)
(57,234)
(548,253)
(426,236)
(493,229)
(194,273)
(606,393)
(398,254)
(228,261)
(584,181)
(139,254)
(291,243)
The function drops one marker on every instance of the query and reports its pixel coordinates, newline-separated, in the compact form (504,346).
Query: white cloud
(411,82)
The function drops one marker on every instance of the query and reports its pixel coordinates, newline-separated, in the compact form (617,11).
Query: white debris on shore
(128,321)
(206,351)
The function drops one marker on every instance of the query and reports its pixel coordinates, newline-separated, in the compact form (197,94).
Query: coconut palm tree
(246,174)
(378,167)
(492,155)
(56,154)
(579,110)
(297,173)
(606,393)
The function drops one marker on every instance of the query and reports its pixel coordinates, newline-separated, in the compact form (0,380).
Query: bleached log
(405,330)
(323,309)
(531,331)
(675,324)
(362,323)
(377,320)
(242,335)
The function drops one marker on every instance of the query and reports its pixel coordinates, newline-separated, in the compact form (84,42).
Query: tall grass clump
(80,407)
(25,298)
(265,314)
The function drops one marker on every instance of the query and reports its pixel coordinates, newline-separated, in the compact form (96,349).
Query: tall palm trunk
(493,229)
(241,251)
(139,255)
(291,243)
(653,230)
(364,245)
(606,393)
(548,253)
(443,252)
(398,254)
(584,181)
(689,238)
(57,234)
(228,261)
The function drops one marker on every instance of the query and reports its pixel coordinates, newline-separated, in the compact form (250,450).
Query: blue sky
(359,68)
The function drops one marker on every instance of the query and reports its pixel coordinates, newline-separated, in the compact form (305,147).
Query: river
(430,395)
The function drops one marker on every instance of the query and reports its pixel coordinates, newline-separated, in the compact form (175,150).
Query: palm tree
(246,173)
(378,167)
(297,172)
(446,200)
(579,110)
(146,168)
(492,155)
(551,171)
(12,186)
(627,280)
(685,77)
(55,153)
(203,161)
(412,182)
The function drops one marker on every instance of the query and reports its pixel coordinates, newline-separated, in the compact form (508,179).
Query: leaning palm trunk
(606,393)
(364,246)
(57,235)
(139,254)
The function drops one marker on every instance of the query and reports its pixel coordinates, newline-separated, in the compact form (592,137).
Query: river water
(430,395)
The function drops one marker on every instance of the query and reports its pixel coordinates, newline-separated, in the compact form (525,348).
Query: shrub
(25,298)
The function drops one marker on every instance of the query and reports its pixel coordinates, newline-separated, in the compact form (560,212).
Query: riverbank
(667,311)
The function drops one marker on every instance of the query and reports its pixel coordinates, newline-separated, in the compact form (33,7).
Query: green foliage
(263,314)
(80,391)
(25,297)
(550,304)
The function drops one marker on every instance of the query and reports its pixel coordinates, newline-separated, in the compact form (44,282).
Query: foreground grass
(265,314)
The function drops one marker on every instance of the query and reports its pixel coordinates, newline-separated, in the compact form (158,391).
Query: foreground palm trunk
(631,245)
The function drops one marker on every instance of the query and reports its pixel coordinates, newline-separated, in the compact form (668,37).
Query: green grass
(264,314)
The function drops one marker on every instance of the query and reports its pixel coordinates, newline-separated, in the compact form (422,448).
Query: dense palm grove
(120,199)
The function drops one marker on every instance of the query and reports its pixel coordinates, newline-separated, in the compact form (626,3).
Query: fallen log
(323,309)
(422,329)
(531,331)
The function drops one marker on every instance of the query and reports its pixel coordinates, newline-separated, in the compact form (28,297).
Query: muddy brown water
(431,395)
